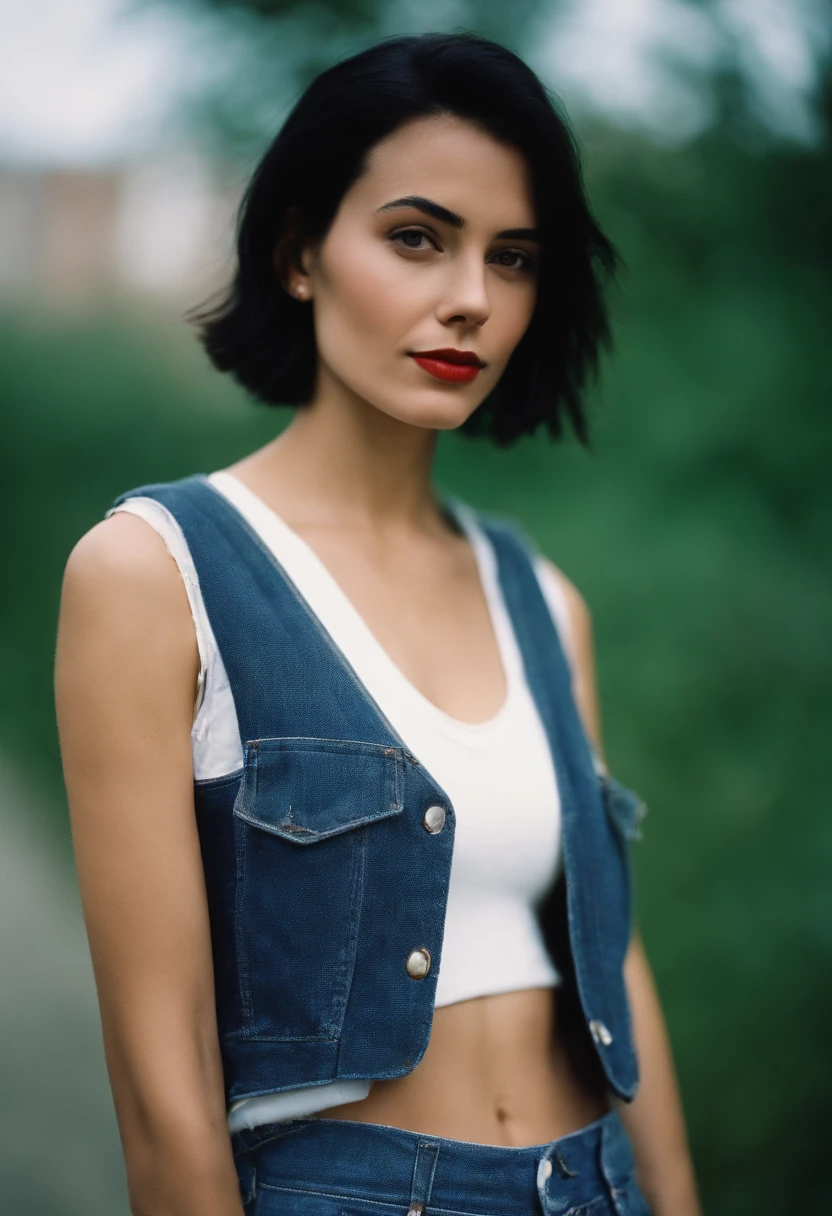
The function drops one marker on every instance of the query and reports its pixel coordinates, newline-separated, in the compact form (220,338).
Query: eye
(527,261)
(408,244)
(411,239)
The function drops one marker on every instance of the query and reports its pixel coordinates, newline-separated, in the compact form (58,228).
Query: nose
(465,298)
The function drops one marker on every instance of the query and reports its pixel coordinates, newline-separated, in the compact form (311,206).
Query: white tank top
(498,774)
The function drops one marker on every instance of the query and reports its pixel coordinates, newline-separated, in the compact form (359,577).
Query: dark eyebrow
(438,212)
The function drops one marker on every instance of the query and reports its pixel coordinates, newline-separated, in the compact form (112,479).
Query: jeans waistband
(420,1175)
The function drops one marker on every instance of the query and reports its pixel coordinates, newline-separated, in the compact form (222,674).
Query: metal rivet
(418,963)
(434,818)
(600,1033)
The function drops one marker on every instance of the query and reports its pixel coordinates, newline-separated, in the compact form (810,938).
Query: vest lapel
(596,873)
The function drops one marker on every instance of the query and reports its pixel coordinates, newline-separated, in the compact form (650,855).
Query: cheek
(367,297)
(516,311)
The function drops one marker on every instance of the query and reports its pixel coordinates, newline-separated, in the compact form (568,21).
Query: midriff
(494,1072)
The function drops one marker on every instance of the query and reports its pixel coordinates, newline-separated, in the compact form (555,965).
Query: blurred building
(76,236)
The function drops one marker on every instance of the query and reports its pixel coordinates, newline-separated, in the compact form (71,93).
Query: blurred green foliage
(263,53)
(699,530)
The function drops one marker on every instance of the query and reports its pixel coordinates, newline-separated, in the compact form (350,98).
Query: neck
(356,466)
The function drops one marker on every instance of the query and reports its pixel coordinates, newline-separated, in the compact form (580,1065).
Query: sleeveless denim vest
(326,860)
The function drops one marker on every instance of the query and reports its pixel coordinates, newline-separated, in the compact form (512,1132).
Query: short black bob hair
(264,337)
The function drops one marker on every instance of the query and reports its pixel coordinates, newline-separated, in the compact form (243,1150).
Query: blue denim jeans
(342,1167)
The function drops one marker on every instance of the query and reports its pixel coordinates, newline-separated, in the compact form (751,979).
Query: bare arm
(125,679)
(654,1119)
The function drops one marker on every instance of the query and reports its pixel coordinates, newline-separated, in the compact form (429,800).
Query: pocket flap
(625,807)
(307,789)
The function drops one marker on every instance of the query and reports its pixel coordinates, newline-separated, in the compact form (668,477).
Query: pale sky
(88,80)
(82,80)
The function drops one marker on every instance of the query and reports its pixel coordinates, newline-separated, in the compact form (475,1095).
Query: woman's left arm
(654,1119)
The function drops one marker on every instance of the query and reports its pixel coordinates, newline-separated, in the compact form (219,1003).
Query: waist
(495,1071)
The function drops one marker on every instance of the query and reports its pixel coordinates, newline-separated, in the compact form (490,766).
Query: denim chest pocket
(625,808)
(304,813)
(307,790)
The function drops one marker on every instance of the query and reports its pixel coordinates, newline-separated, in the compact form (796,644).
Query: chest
(431,605)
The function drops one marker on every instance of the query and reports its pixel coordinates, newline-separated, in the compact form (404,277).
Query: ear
(287,256)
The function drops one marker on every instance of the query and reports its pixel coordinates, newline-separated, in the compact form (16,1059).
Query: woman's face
(453,268)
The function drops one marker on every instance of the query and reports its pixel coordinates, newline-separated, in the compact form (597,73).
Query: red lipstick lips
(455,366)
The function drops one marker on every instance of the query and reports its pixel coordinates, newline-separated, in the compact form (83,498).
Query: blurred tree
(265,52)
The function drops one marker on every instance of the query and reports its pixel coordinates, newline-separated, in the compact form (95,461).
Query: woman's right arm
(125,680)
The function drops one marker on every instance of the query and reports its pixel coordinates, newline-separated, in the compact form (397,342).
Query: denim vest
(326,860)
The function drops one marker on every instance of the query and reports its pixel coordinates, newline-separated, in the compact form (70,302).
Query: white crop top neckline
(498,774)
(326,589)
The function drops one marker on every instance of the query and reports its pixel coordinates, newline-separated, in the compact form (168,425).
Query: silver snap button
(418,963)
(434,818)
(600,1033)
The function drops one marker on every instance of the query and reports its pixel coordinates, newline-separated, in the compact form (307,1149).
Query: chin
(434,415)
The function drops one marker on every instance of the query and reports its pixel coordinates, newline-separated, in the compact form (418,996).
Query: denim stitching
(281,1038)
(300,1190)
(346,968)
(398,776)
(336,746)
(249,801)
(389,1203)
(240,843)
(346,826)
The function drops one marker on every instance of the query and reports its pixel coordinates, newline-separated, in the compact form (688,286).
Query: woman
(306,1008)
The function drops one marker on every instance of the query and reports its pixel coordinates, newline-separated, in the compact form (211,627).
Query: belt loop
(246,1176)
(424,1168)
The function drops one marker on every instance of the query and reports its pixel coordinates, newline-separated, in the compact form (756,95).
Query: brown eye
(527,262)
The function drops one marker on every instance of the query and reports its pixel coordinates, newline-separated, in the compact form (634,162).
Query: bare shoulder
(579,615)
(584,681)
(118,555)
(120,578)
(125,634)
